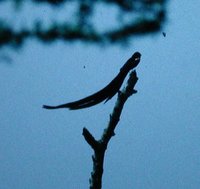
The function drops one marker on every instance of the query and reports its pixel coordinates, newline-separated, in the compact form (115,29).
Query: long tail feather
(82,103)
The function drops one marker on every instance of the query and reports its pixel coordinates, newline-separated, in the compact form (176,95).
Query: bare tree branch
(100,146)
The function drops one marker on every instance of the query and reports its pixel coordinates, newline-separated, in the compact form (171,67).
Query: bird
(107,92)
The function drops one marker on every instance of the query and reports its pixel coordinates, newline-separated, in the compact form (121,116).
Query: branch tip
(89,138)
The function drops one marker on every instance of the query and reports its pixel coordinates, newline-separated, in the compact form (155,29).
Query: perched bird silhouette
(107,92)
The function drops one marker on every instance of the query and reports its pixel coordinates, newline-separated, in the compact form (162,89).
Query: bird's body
(107,92)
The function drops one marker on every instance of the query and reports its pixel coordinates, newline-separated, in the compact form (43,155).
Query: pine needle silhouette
(107,92)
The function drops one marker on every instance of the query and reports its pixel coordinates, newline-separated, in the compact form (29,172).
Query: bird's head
(131,62)
(136,56)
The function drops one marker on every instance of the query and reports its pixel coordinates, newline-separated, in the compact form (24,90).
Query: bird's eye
(137,58)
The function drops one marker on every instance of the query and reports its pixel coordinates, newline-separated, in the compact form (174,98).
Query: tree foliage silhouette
(144,17)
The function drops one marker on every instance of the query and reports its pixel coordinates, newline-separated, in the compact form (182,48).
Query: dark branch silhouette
(107,92)
(99,146)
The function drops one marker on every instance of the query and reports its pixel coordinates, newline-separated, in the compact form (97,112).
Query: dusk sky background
(157,141)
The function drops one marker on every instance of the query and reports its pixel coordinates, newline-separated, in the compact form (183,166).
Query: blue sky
(157,140)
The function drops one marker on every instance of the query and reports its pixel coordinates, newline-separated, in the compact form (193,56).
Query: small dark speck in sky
(164,34)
